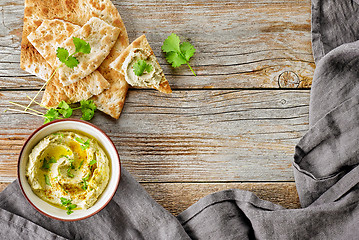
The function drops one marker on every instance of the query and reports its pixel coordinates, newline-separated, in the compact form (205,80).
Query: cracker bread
(77,12)
(141,43)
(46,39)
(101,37)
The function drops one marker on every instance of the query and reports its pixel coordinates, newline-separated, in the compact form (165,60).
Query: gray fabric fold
(325,165)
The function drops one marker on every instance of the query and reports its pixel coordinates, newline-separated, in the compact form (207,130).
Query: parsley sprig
(84,145)
(178,53)
(68,204)
(140,66)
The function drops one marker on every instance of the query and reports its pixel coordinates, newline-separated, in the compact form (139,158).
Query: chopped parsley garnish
(92,162)
(84,182)
(46,163)
(47,180)
(82,162)
(67,203)
(140,66)
(84,145)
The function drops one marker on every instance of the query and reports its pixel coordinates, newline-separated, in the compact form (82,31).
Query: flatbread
(77,12)
(141,43)
(46,39)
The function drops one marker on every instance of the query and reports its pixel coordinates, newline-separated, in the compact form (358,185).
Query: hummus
(68,165)
(148,79)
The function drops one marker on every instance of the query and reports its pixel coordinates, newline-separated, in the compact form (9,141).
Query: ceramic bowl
(77,125)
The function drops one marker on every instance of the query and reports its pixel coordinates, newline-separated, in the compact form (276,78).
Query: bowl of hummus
(69,169)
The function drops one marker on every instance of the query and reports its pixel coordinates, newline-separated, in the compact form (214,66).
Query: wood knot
(288,79)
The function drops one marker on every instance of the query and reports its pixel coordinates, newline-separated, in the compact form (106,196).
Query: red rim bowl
(77,125)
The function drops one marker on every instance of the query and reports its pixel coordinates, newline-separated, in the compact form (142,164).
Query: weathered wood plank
(212,135)
(240,44)
(176,197)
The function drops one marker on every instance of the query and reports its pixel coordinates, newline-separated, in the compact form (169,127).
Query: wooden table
(235,125)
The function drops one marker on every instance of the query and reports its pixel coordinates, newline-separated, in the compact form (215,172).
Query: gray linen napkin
(326,169)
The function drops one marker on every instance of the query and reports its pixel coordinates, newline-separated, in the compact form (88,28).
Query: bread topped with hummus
(140,50)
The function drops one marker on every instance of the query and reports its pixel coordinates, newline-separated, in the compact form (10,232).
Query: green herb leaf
(187,49)
(45,164)
(176,53)
(65,109)
(175,59)
(84,182)
(82,162)
(51,114)
(92,162)
(65,201)
(140,66)
(47,180)
(171,44)
(70,207)
(52,160)
(69,174)
(81,45)
(71,62)
(88,109)
(84,145)
(62,54)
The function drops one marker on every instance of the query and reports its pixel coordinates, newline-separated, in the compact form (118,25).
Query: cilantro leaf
(175,59)
(88,109)
(188,50)
(62,54)
(171,44)
(47,180)
(81,45)
(51,115)
(71,62)
(92,162)
(65,109)
(176,53)
(140,66)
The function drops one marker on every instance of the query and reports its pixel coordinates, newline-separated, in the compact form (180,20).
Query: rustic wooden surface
(235,125)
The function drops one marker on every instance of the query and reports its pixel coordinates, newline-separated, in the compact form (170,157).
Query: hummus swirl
(148,79)
(68,165)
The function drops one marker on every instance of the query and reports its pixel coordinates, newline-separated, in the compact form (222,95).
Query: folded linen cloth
(326,169)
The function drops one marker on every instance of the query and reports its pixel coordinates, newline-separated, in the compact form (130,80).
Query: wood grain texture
(211,135)
(240,44)
(176,197)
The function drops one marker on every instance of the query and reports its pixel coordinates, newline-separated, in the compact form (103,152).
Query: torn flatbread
(46,39)
(77,12)
(140,50)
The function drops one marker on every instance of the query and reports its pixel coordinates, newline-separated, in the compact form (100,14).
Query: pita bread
(141,43)
(46,39)
(77,12)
